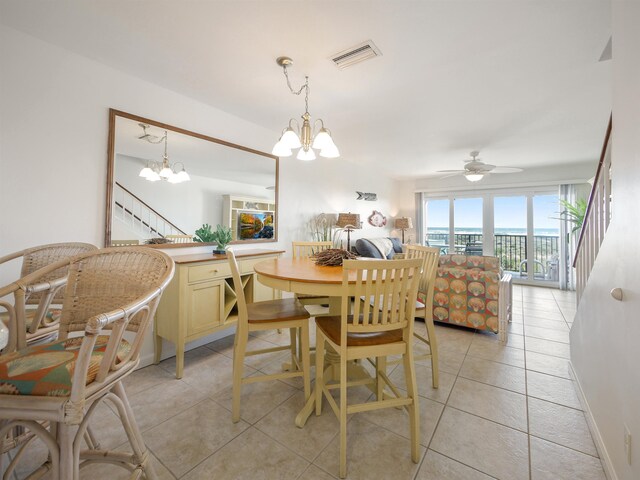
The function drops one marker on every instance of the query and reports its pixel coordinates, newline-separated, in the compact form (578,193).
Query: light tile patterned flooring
(507,412)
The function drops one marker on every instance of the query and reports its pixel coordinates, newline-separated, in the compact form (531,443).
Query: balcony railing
(511,249)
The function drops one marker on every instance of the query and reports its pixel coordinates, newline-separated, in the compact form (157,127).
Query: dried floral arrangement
(332,257)
(157,241)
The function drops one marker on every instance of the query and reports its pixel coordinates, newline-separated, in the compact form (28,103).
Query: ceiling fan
(475,169)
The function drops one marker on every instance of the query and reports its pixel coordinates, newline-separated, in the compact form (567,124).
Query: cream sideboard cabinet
(200,300)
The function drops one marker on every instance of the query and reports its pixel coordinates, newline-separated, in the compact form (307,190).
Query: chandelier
(303,137)
(155,171)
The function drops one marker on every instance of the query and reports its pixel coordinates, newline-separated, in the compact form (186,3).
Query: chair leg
(306,359)
(343,415)
(293,335)
(319,371)
(381,366)
(133,432)
(65,442)
(433,346)
(414,413)
(238,364)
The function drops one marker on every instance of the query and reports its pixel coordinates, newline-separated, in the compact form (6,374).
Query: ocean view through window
(522,230)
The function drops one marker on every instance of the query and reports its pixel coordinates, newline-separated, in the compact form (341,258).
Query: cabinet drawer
(207,272)
(246,266)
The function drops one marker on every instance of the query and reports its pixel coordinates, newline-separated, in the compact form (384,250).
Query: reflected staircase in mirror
(596,219)
(139,218)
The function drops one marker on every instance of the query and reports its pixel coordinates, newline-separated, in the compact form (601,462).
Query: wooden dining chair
(36,309)
(267,315)
(306,250)
(179,238)
(54,389)
(124,243)
(424,306)
(372,332)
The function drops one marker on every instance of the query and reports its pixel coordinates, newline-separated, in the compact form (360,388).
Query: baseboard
(607,465)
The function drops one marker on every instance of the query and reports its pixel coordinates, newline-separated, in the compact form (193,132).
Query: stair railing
(596,218)
(140,217)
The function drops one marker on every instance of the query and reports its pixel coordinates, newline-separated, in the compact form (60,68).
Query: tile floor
(506,412)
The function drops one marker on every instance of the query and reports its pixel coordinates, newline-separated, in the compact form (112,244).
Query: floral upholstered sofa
(472,291)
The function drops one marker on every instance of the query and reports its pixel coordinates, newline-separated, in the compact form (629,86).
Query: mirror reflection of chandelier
(163,170)
(302,137)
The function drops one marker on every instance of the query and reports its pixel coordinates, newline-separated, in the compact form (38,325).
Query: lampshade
(281,150)
(166,172)
(348,220)
(290,139)
(402,223)
(153,177)
(322,139)
(330,151)
(146,172)
(183,175)
(308,155)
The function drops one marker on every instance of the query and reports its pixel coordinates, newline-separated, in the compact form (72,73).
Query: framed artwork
(253,225)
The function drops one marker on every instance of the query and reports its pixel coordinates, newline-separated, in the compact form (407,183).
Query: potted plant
(574,213)
(221,236)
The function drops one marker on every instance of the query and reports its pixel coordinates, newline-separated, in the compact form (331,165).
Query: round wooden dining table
(303,276)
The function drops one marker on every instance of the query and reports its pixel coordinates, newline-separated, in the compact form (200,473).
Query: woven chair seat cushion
(276,311)
(332,325)
(47,370)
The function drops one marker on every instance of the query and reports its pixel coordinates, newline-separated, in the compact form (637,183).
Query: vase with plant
(221,236)
(321,227)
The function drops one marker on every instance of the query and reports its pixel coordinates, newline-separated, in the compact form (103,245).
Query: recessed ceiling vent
(359,53)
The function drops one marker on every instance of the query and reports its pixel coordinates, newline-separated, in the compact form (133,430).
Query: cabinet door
(204,306)
(262,292)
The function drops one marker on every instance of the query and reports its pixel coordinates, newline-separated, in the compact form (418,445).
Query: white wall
(605,338)
(53,143)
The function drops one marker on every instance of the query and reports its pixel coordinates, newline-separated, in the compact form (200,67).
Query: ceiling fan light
(306,155)
(322,139)
(330,151)
(474,177)
(290,139)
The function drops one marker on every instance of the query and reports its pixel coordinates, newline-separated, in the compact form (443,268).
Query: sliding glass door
(467,221)
(520,227)
(437,223)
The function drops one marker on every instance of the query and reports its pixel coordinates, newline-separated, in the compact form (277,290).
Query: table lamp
(403,223)
(349,222)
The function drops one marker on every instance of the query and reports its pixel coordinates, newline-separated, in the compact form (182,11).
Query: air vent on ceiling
(356,54)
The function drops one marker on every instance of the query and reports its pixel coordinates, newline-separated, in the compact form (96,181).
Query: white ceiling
(518,80)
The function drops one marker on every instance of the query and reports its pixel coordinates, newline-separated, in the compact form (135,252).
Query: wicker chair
(32,305)
(267,315)
(372,332)
(110,294)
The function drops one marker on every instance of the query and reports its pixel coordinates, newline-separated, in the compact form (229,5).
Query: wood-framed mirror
(230,185)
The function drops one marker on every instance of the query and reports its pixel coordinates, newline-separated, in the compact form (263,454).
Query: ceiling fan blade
(457,174)
(506,170)
(451,171)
